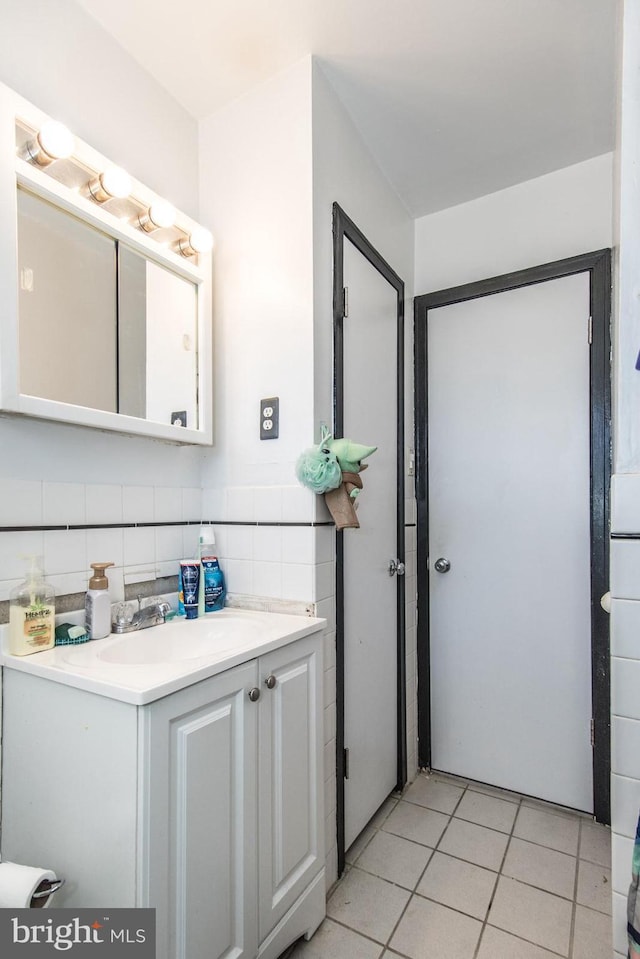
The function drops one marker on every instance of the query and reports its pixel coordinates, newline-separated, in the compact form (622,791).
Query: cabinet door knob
(254,694)
(270,681)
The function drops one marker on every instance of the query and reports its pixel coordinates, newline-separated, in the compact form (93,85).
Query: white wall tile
(267,504)
(104,503)
(105,545)
(8,585)
(625,628)
(190,541)
(625,503)
(63,504)
(15,546)
(625,747)
(65,583)
(65,551)
(621,859)
(620,942)
(625,805)
(238,575)
(214,504)
(624,581)
(20,502)
(240,504)
(325,537)
(168,545)
(191,503)
(239,542)
(625,686)
(298,544)
(329,648)
(139,546)
(297,582)
(326,608)
(298,504)
(267,579)
(267,544)
(116,584)
(329,686)
(325,581)
(167,504)
(137,504)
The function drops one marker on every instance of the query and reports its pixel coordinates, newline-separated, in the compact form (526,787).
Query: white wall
(558,215)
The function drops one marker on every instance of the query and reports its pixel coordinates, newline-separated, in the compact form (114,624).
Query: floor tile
(487,811)
(594,886)
(394,858)
(431,931)
(338,942)
(532,914)
(540,866)
(592,937)
(458,884)
(367,904)
(449,778)
(595,843)
(477,844)
(547,829)
(426,791)
(552,808)
(494,791)
(359,844)
(387,806)
(497,944)
(416,823)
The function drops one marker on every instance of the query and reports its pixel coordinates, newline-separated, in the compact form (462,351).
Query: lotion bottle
(32,614)
(97,607)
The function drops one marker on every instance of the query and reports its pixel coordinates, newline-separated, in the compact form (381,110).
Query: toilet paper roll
(18,884)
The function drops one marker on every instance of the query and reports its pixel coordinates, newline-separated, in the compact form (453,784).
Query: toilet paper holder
(47,888)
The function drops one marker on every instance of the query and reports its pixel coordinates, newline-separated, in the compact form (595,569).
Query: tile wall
(625,692)
(276,543)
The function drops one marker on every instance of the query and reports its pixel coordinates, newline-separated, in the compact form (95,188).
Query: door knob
(442,565)
(395,566)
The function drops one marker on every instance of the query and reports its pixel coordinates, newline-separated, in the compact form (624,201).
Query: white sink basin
(174,642)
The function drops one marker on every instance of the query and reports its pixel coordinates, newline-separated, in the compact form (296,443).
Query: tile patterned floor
(457,870)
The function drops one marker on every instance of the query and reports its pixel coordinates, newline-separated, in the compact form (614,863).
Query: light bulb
(114,183)
(52,142)
(159,216)
(199,241)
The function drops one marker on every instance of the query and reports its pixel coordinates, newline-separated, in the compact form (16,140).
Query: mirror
(110,325)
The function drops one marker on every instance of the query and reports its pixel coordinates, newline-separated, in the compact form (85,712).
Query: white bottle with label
(32,620)
(97,606)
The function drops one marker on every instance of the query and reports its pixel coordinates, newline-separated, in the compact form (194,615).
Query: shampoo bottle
(97,607)
(32,614)
(214,587)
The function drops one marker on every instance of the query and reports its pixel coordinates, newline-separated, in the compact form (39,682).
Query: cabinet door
(290,763)
(200,863)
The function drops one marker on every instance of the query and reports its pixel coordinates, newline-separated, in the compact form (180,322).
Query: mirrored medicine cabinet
(105,313)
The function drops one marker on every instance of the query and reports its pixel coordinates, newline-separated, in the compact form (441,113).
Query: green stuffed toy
(332,468)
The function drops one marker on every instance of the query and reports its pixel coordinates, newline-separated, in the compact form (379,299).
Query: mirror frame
(15,171)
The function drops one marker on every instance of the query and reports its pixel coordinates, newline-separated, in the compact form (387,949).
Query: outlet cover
(269,418)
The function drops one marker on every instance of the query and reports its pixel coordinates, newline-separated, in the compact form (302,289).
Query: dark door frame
(345,228)
(598,265)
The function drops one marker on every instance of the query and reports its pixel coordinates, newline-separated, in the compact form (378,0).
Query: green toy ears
(350,454)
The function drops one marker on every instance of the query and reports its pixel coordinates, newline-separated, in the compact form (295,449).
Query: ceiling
(454,98)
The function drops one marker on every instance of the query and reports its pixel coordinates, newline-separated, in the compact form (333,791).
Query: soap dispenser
(32,613)
(97,607)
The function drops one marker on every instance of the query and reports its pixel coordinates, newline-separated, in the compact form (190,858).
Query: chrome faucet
(152,615)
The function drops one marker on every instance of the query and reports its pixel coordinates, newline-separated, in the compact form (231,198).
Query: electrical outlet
(269,418)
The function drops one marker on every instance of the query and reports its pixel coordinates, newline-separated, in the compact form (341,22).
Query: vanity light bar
(53,141)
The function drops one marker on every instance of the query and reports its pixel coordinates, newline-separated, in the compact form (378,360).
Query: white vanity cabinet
(205,804)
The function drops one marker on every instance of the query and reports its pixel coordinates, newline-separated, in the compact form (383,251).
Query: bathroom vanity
(191,784)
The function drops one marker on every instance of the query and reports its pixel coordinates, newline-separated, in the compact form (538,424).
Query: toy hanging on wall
(333,469)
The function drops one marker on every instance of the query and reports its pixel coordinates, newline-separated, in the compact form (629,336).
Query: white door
(370,604)
(509,509)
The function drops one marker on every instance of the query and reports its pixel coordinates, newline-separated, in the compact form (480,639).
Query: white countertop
(143,666)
